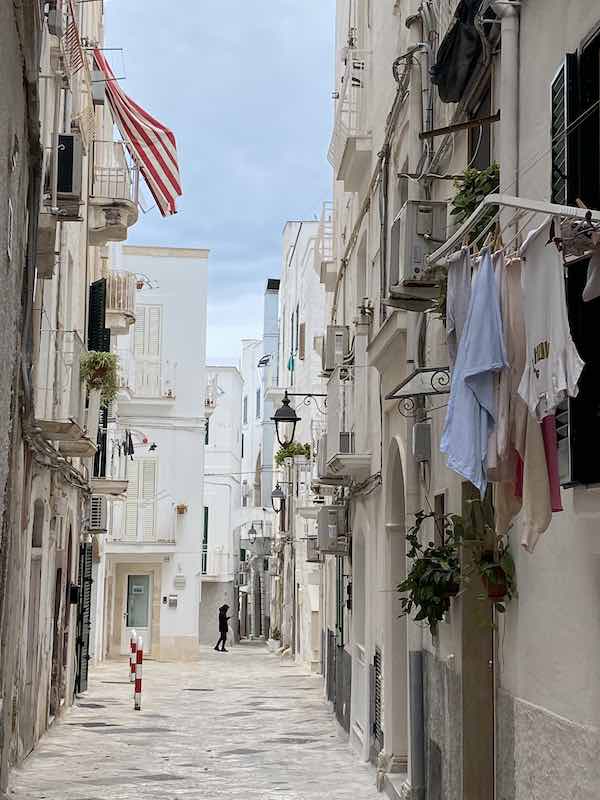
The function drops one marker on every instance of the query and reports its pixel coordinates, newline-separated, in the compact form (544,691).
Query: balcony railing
(59,394)
(147,379)
(349,418)
(216,563)
(325,251)
(313,555)
(120,301)
(113,174)
(351,106)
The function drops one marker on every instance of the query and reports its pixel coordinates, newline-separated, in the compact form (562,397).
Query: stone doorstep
(396,786)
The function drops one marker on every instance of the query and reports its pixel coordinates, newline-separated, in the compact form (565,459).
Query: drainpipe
(509,100)
(416,761)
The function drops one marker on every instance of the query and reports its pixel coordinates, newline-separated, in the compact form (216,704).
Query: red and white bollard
(139,658)
(132,652)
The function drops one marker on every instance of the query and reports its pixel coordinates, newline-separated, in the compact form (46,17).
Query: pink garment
(551,448)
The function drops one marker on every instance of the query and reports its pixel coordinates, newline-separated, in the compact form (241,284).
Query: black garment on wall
(458,54)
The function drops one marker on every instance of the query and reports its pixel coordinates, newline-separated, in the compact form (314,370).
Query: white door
(138,610)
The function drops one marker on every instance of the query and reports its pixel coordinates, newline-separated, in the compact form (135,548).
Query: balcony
(325,251)
(147,380)
(120,302)
(144,527)
(216,564)
(348,418)
(313,555)
(59,395)
(351,141)
(113,193)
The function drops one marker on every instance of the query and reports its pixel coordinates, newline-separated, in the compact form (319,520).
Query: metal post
(139,658)
(132,655)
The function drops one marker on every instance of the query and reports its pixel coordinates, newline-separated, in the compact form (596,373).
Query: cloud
(245,86)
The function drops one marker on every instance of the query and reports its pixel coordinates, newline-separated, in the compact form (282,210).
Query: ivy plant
(98,370)
(291,450)
(435,573)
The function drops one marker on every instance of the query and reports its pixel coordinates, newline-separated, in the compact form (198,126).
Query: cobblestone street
(236,725)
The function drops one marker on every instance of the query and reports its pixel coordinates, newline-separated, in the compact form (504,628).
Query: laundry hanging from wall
(541,367)
(458,53)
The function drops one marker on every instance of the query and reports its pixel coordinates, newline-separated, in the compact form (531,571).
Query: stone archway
(395,656)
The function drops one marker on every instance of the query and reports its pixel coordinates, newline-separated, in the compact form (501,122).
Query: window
(576,174)
(140,507)
(245,410)
(302,342)
(258,404)
(480,139)
(205,542)
(206,430)
(340,601)
(147,347)
(242,445)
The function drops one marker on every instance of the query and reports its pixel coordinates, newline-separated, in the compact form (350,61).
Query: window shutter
(148,326)
(131,510)
(302,342)
(140,330)
(97,317)
(154,324)
(564,105)
(148,498)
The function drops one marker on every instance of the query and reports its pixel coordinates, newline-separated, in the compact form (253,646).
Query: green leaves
(291,450)
(471,188)
(98,370)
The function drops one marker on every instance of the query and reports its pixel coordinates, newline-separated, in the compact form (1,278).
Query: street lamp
(277,498)
(252,534)
(285,420)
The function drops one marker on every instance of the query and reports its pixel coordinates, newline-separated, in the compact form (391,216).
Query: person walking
(223,628)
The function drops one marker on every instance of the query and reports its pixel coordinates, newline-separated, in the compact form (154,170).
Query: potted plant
(98,370)
(497,570)
(291,450)
(434,577)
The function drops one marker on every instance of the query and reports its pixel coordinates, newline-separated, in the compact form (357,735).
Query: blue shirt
(481,354)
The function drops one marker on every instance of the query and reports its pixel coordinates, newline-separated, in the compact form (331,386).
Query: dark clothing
(222,641)
(223,627)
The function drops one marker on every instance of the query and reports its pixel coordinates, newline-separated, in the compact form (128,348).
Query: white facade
(222,496)
(154,549)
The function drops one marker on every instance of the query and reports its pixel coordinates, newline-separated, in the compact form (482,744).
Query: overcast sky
(245,85)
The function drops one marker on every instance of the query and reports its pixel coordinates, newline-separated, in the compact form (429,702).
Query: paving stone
(235,732)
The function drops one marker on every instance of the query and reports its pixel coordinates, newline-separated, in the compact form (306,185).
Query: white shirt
(553,365)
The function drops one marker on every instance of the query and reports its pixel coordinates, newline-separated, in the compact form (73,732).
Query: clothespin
(498,244)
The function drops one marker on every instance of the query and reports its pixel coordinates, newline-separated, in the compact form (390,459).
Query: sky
(245,85)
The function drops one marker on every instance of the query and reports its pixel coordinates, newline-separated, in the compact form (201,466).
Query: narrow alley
(237,725)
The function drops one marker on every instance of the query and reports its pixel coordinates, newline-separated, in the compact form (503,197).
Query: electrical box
(336,345)
(422,441)
(172,601)
(331,524)
(417,231)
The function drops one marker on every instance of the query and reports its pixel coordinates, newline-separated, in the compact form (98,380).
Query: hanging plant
(471,188)
(435,574)
(98,371)
(497,570)
(291,450)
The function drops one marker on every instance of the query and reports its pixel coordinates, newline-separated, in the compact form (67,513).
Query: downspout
(416,761)
(509,101)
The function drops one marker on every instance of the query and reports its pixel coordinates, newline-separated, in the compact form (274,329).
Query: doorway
(138,613)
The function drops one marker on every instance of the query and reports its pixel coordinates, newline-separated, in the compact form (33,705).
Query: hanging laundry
(471,411)
(553,365)
(458,294)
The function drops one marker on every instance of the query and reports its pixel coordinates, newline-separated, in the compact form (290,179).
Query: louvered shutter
(564,100)
(100,457)
(302,341)
(132,503)
(140,331)
(148,499)
(84,617)
(98,337)
(148,328)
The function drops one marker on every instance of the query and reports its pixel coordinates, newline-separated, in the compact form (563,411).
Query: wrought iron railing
(59,393)
(113,174)
(348,416)
(351,105)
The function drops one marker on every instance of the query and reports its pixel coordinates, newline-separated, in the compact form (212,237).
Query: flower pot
(496,588)
(139,284)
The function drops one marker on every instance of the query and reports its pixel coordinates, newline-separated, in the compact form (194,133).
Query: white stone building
(222,496)
(474,711)
(154,560)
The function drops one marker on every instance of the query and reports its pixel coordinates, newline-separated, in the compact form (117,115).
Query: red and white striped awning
(150,142)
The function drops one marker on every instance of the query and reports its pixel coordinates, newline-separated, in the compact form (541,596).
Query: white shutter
(148,498)
(131,507)
(140,331)
(154,324)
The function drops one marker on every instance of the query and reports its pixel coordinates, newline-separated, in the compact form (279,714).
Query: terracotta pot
(496,589)
(139,285)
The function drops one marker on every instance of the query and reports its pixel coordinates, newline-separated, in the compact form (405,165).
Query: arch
(395,655)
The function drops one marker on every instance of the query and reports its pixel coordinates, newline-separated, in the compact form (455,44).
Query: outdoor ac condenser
(68,177)
(332,528)
(336,345)
(418,229)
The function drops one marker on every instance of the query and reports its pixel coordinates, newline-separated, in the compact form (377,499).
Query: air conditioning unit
(68,178)
(335,347)
(333,534)
(98,87)
(418,230)
(98,514)
(322,457)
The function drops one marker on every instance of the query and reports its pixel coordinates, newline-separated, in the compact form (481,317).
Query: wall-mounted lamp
(277,499)
(285,420)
